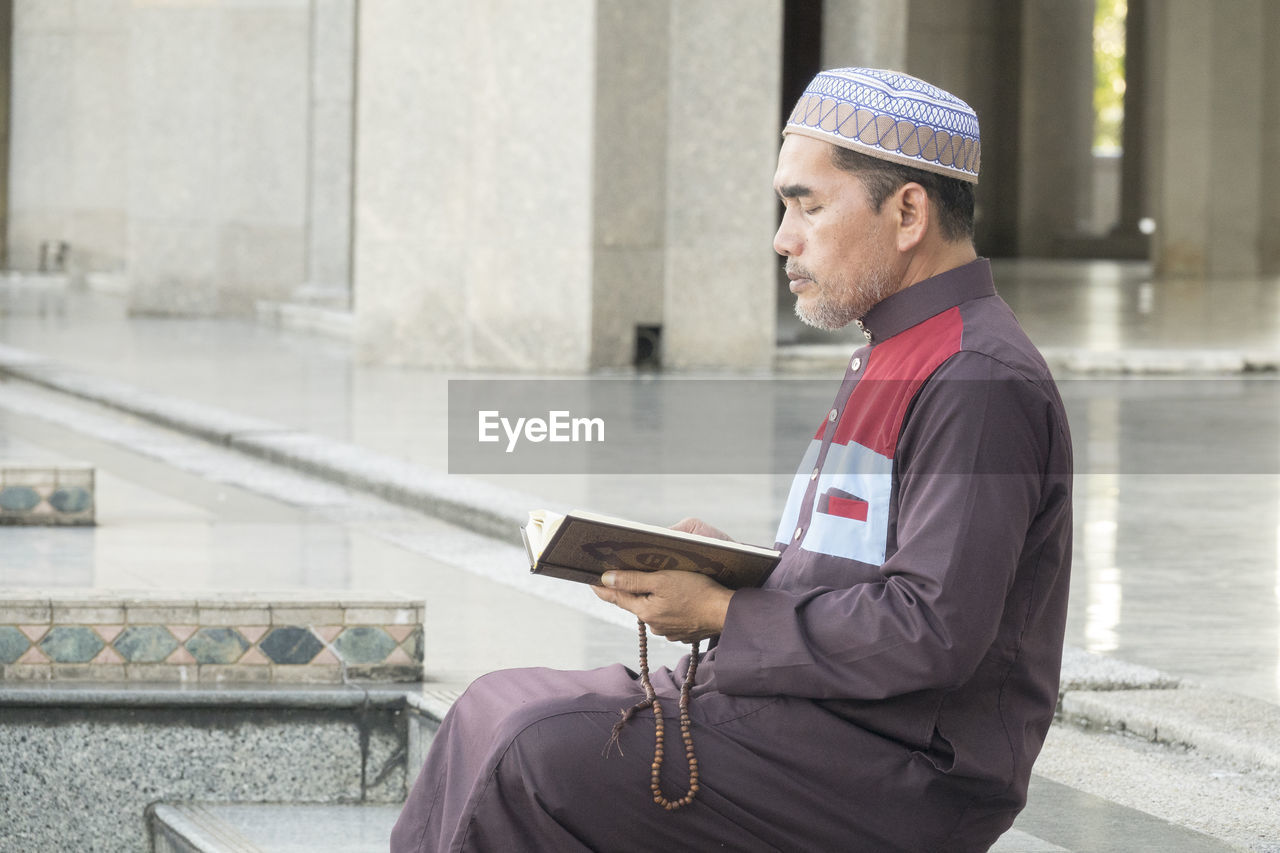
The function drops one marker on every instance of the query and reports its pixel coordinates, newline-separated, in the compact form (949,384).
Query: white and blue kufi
(891,116)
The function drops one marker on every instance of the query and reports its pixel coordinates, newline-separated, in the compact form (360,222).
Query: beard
(839,300)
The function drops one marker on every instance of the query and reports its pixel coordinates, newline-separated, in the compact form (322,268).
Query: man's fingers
(700,527)
(636,583)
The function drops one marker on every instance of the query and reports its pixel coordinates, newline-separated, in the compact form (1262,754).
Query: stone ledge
(1084,670)
(264,638)
(1213,722)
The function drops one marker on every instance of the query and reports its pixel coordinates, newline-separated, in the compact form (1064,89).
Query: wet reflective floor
(1177,490)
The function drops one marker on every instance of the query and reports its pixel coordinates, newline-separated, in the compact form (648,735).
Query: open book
(581,546)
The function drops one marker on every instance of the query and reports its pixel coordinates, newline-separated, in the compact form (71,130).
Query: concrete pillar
(473,173)
(1269,156)
(1209,162)
(42,135)
(866,33)
(1056,133)
(519,208)
(6,60)
(67,154)
(1133,162)
(218,154)
(719,307)
(973,48)
(629,193)
(331,152)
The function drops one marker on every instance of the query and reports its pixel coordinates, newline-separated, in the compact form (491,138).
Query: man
(890,685)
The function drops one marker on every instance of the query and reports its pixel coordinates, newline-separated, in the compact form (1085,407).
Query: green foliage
(1108,73)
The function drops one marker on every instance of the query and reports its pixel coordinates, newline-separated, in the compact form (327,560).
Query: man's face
(840,253)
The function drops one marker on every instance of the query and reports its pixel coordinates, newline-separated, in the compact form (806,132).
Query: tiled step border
(45,494)
(148,636)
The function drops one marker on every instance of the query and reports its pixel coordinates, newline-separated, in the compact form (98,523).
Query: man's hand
(681,606)
(700,527)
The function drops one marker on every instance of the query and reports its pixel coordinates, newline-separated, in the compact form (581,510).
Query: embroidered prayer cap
(892,116)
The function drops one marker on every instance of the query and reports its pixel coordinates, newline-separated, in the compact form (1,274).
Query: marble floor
(1177,489)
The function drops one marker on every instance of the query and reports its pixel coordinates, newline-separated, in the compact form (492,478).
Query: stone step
(35,494)
(271,828)
(283,828)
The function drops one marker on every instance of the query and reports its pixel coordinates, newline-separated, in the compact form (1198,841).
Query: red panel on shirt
(853,508)
(895,371)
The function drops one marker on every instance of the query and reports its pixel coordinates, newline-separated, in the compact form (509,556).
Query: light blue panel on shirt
(861,472)
(791,513)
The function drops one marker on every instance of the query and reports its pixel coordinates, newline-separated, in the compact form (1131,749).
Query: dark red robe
(890,685)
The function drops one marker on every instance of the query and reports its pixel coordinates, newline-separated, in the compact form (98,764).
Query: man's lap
(774,771)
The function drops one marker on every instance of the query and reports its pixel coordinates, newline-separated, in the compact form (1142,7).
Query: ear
(911,209)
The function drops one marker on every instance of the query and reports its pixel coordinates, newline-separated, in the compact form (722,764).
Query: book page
(541,527)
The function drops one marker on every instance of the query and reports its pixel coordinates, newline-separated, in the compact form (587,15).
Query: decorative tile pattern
(364,645)
(414,645)
(144,643)
(291,645)
(71,644)
(298,638)
(217,645)
(43,495)
(13,644)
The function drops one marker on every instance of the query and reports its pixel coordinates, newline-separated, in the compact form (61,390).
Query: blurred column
(1269,221)
(866,33)
(67,87)
(41,93)
(333,69)
(1056,139)
(719,306)
(629,192)
(1133,199)
(473,205)
(1209,149)
(973,49)
(217,153)
(6,81)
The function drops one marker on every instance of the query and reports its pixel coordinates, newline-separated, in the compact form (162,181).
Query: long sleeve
(968,481)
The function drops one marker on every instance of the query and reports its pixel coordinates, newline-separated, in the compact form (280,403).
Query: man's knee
(566,756)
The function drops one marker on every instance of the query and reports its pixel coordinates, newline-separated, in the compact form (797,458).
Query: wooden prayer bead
(659,729)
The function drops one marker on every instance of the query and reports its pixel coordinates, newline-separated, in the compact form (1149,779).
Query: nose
(786,241)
